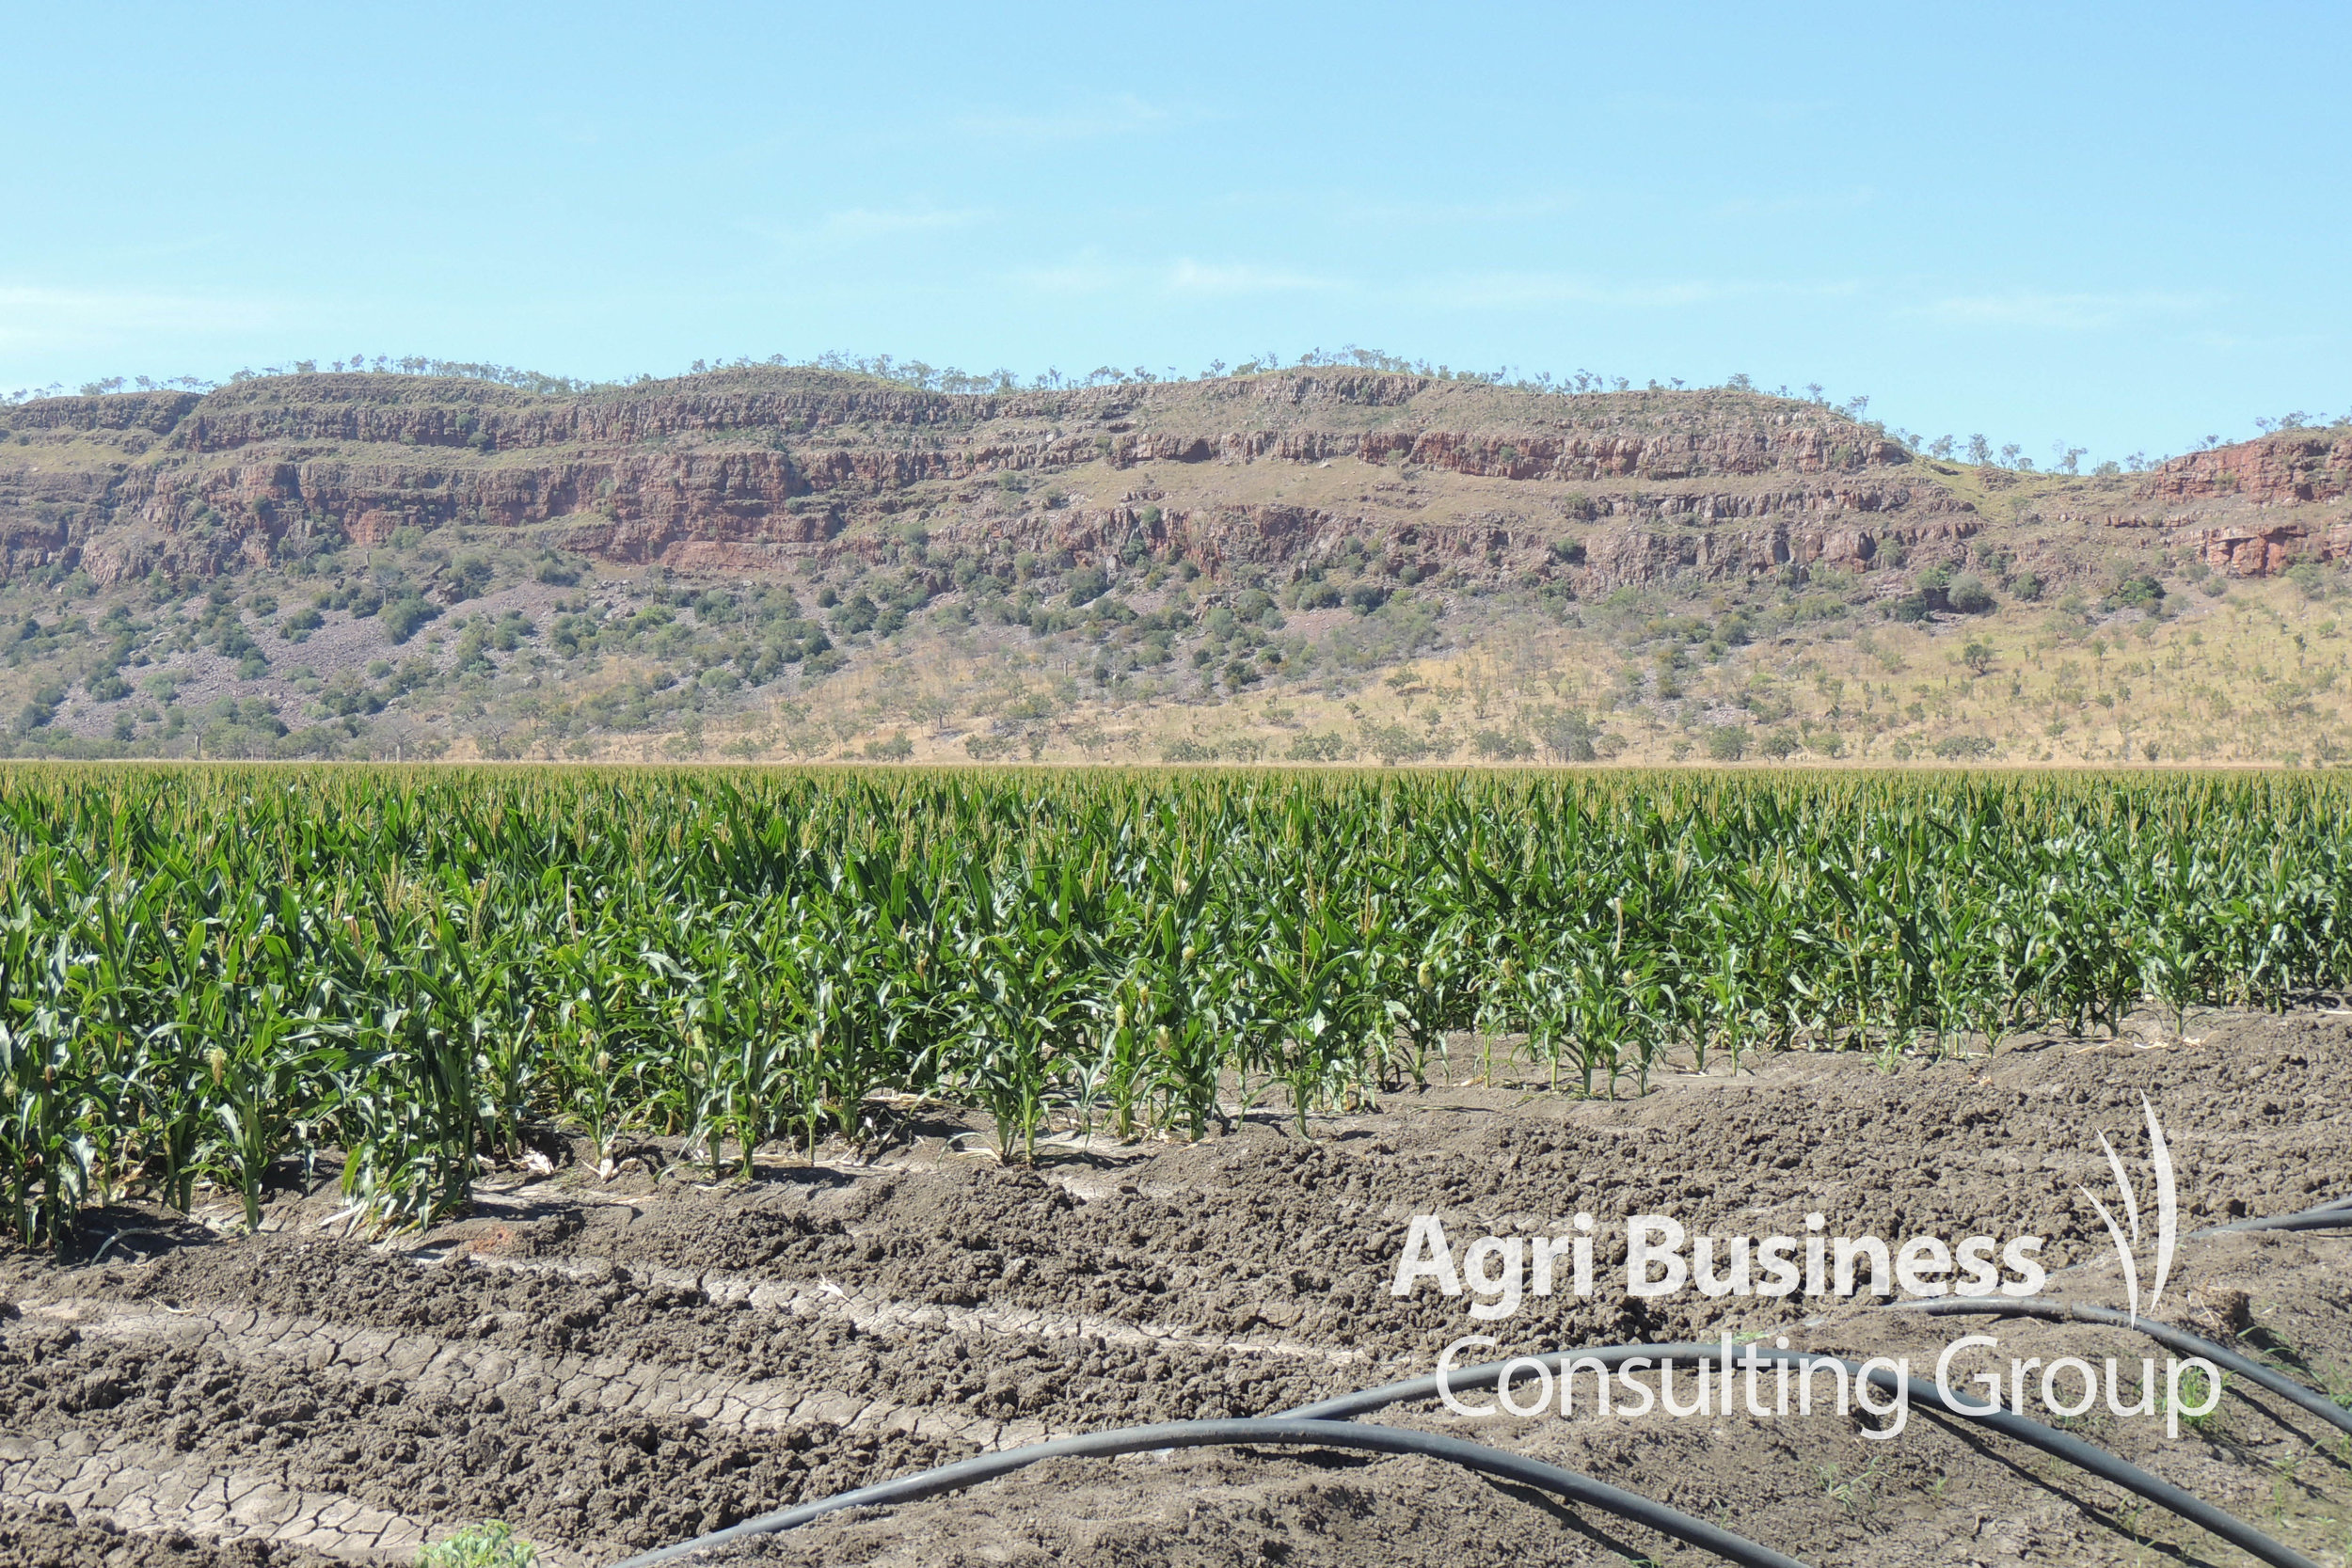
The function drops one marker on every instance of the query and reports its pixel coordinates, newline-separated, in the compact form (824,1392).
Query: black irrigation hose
(2097,1461)
(2336,1216)
(2327,1216)
(1326,1424)
(1264,1432)
(2163,1333)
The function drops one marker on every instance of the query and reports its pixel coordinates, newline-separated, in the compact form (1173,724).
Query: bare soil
(614,1364)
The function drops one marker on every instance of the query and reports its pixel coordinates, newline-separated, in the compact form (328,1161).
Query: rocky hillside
(735,553)
(759,471)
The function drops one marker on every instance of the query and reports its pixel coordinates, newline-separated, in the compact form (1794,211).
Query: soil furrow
(879,1314)
(610,1384)
(614,1366)
(155,1491)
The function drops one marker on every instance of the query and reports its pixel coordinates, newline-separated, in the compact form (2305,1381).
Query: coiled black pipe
(1267,1433)
(2163,1333)
(2097,1461)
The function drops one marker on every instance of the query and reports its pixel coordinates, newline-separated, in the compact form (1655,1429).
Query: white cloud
(1448,214)
(856,225)
(1716,108)
(1123,114)
(1510,290)
(1085,274)
(2063,311)
(1189,276)
(1793,206)
(1089,272)
(46,318)
(1522,290)
(852,227)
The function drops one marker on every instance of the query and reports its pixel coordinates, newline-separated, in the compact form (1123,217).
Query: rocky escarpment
(2256,508)
(1303,417)
(1291,539)
(157,412)
(2285,469)
(747,470)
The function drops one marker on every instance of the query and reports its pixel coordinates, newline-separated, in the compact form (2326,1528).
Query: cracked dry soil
(614,1366)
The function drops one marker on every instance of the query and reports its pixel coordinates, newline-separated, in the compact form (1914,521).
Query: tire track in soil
(881,1314)
(150,1490)
(432,1366)
(136,1423)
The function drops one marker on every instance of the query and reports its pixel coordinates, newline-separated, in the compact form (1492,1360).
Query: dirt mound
(1269,1233)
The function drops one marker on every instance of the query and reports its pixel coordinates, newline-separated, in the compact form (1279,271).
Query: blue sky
(2123,228)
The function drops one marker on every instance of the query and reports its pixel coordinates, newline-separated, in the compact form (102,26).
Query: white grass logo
(1662,1258)
(2167,1215)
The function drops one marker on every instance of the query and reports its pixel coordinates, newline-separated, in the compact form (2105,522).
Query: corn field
(223,980)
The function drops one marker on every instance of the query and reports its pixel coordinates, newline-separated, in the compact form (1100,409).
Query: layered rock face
(2259,507)
(2279,471)
(2260,552)
(1301,416)
(157,412)
(755,470)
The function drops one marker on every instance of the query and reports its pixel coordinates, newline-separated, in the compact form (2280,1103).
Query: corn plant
(207,974)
